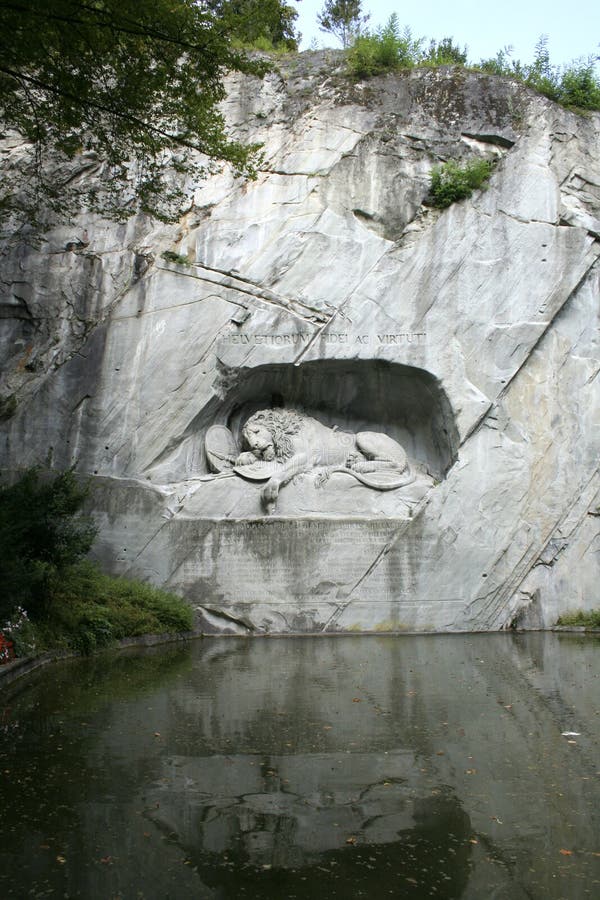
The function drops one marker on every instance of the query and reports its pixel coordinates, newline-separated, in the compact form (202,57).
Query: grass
(588,619)
(90,610)
(51,596)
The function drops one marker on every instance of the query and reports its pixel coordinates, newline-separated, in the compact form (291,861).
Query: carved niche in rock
(278,444)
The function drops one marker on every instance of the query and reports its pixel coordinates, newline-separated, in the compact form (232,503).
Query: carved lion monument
(278,444)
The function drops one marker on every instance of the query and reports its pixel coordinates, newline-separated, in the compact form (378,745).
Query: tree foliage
(51,595)
(42,534)
(342,18)
(133,84)
(259,23)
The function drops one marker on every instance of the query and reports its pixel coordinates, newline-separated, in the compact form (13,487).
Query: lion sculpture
(281,443)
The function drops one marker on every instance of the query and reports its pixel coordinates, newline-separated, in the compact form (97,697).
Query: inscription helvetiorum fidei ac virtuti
(315,403)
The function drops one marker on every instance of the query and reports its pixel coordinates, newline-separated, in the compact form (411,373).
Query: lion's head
(268,433)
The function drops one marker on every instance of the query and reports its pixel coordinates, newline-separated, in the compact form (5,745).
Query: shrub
(445,53)
(385,50)
(90,610)
(172,257)
(576,86)
(589,619)
(452,182)
(580,86)
(42,533)
(21,631)
(52,597)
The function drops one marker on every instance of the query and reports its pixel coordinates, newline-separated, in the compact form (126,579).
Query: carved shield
(221,448)
(261,470)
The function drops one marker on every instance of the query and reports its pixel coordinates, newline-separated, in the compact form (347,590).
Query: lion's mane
(281,423)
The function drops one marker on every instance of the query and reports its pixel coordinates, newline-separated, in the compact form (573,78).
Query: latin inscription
(303,338)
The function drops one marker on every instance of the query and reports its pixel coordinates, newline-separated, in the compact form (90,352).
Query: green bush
(389,49)
(385,50)
(42,533)
(576,86)
(589,619)
(580,86)
(51,597)
(452,182)
(445,53)
(90,610)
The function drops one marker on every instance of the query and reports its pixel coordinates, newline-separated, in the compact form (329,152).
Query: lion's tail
(373,483)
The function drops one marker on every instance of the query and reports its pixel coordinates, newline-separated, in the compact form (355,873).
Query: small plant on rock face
(177,258)
(452,182)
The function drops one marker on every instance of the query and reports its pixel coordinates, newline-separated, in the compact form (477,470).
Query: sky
(573,31)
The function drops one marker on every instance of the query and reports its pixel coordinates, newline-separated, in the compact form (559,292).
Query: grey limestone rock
(467,337)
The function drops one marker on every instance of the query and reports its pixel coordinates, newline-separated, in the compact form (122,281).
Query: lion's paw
(270,492)
(246,458)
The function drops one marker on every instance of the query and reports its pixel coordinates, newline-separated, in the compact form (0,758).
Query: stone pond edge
(19,668)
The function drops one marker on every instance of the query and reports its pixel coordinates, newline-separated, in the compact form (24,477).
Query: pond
(344,767)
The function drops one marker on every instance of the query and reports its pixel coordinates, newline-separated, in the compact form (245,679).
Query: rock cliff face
(469,336)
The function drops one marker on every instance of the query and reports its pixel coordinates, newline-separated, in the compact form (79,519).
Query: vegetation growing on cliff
(587,619)
(384,50)
(129,90)
(342,18)
(53,597)
(576,86)
(452,182)
(392,48)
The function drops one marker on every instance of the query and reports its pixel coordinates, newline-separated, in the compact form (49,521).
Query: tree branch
(128,117)
(112,24)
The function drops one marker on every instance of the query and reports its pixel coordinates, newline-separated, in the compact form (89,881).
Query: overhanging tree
(134,84)
(256,21)
(342,18)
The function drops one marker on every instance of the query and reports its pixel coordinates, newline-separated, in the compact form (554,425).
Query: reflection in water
(286,768)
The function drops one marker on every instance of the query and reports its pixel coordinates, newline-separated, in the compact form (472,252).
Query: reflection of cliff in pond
(379,841)
(304,767)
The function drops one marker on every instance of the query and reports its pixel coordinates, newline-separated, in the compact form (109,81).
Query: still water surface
(346,767)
